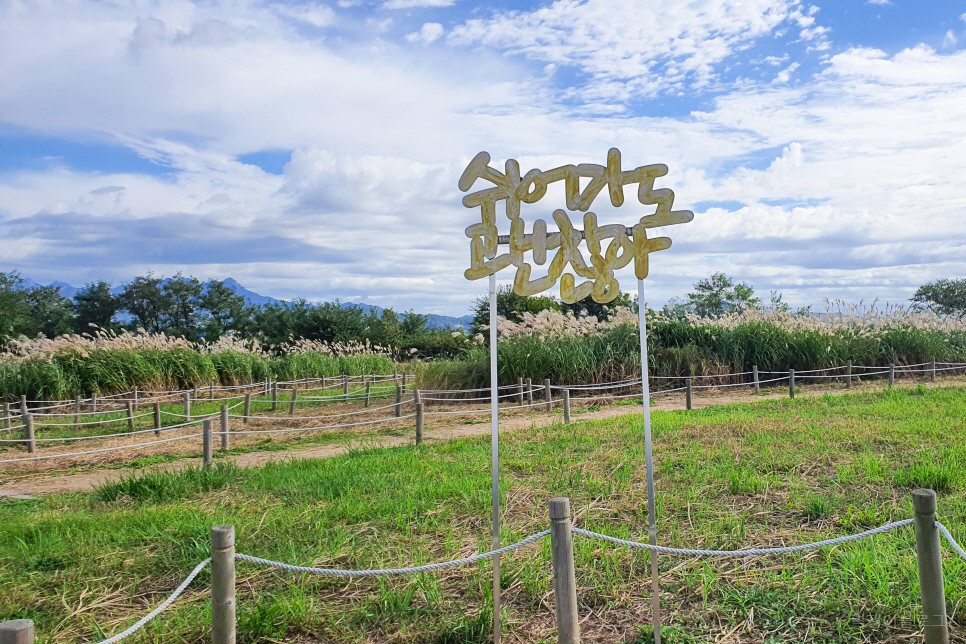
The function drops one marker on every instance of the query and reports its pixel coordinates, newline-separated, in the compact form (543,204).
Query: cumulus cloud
(430,32)
(412,4)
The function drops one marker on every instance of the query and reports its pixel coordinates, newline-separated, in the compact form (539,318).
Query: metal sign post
(611,246)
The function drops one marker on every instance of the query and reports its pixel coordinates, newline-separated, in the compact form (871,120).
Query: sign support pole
(495,459)
(649,464)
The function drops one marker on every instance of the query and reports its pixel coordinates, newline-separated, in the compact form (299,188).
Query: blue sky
(313,149)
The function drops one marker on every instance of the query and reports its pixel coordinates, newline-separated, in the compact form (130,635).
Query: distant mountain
(253,298)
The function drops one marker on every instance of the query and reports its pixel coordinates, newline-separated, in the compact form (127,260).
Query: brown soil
(48,477)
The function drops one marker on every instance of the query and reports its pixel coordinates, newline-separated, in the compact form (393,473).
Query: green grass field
(772,473)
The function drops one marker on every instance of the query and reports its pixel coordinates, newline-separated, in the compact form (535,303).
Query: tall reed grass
(104,364)
(573,350)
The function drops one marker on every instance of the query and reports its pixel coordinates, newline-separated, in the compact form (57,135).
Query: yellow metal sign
(625,244)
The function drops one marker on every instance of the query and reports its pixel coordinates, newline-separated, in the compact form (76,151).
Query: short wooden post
(892,375)
(368,388)
(223,584)
(129,408)
(932,370)
(6,415)
(157,418)
(274,396)
(345,386)
(206,442)
(398,401)
(529,391)
(754,371)
(546,388)
(791,383)
(291,404)
(224,426)
(248,408)
(94,402)
(211,391)
(687,394)
(28,433)
(77,412)
(17,631)
(135,397)
(23,406)
(848,375)
(566,397)
(417,396)
(404,382)
(520,390)
(187,407)
(564,579)
(419,423)
(194,392)
(935,628)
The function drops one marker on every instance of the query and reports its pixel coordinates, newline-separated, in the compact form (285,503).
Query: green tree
(15,319)
(589,307)
(413,324)
(510,306)
(226,310)
(719,294)
(144,299)
(94,305)
(184,295)
(944,297)
(50,313)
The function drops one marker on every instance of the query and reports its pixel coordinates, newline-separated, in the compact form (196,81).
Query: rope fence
(561,531)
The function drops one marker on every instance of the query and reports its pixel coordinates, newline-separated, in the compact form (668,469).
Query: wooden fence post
(6,415)
(23,406)
(223,584)
(187,407)
(129,408)
(529,391)
(564,579)
(404,382)
(157,418)
(224,426)
(28,433)
(791,383)
(419,423)
(848,375)
(135,397)
(291,404)
(687,394)
(206,442)
(566,397)
(417,396)
(520,389)
(368,389)
(194,391)
(248,408)
(211,391)
(754,369)
(892,375)
(935,628)
(77,412)
(17,631)
(345,386)
(932,370)
(546,386)
(274,396)
(398,401)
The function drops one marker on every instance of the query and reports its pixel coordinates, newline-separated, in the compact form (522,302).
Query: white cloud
(636,47)
(950,39)
(786,74)
(317,15)
(412,4)
(430,32)
(879,2)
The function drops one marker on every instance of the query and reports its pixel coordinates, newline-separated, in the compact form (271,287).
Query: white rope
(349,413)
(154,613)
(952,542)
(97,451)
(93,422)
(753,552)
(394,571)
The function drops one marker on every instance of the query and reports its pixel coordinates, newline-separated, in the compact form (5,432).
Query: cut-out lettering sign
(611,246)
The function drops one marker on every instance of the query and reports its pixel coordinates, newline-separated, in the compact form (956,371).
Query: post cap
(559,508)
(924,501)
(223,536)
(17,631)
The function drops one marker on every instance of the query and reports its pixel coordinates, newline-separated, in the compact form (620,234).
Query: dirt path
(33,484)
